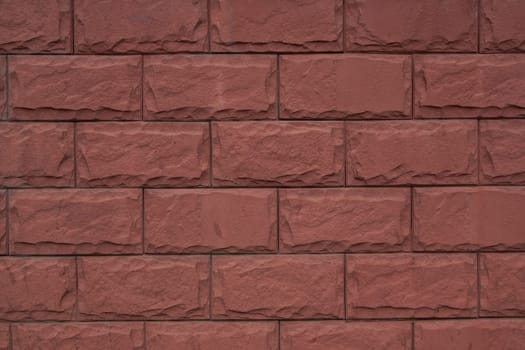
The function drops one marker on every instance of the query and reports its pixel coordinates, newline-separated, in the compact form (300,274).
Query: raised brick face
(502,26)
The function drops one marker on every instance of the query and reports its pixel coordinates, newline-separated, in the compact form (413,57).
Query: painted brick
(3,87)
(502,26)
(3,223)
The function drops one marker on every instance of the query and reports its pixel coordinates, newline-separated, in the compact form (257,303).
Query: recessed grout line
(278,87)
(10,334)
(210,156)
(143,205)
(144,335)
(413,340)
(413,82)
(142,87)
(412,219)
(278,334)
(75,180)
(6,94)
(345,160)
(478,125)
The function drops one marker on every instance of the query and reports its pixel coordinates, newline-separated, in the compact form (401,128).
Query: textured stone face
(75,221)
(411,152)
(138,154)
(3,226)
(338,220)
(37,289)
(210,87)
(212,335)
(143,287)
(341,335)
(202,221)
(411,25)
(345,86)
(292,287)
(502,26)
(74,87)
(124,26)
(266,153)
(35,26)
(411,285)
(36,154)
(276,25)
(85,336)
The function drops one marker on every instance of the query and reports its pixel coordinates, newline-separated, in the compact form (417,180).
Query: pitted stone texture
(142,154)
(135,26)
(74,87)
(3,222)
(411,152)
(469,218)
(278,286)
(411,25)
(276,25)
(339,220)
(341,335)
(37,289)
(502,26)
(502,284)
(411,286)
(71,221)
(143,287)
(35,26)
(203,221)
(36,154)
(345,86)
(278,153)
(210,87)
(469,86)
(212,335)
(85,336)
(3,87)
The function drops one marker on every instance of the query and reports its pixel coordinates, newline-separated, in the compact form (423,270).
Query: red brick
(85,336)
(278,153)
(469,86)
(37,289)
(502,284)
(3,223)
(211,335)
(411,285)
(143,154)
(203,221)
(36,154)
(488,218)
(502,156)
(75,221)
(143,287)
(74,87)
(3,87)
(470,334)
(341,335)
(339,220)
(502,26)
(4,336)
(35,26)
(278,286)
(345,86)
(124,26)
(276,25)
(411,152)
(411,25)
(210,87)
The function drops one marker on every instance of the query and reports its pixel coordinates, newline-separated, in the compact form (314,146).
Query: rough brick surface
(3,223)
(502,26)
(210,87)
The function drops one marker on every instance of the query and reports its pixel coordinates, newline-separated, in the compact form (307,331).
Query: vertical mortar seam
(478,132)
(10,335)
(413,86)
(278,334)
(345,158)
(142,87)
(413,338)
(6,94)
(210,156)
(278,87)
(412,233)
(144,335)
(278,209)
(75,171)
(143,220)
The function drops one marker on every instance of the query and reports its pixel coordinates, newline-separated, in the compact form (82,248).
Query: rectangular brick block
(469,334)
(339,220)
(502,26)
(4,336)
(502,284)
(203,221)
(72,221)
(35,26)
(411,152)
(143,287)
(3,223)
(278,153)
(74,87)
(278,286)
(411,285)
(210,87)
(276,25)
(85,336)
(3,87)
(37,289)
(411,25)
(470,218)
(345,86)
(36,154)
(502,155)
(341,335)
(469,86)
(212,335)
(127,26)
(142,154)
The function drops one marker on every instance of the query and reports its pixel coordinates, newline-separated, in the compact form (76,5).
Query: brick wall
(262,175)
